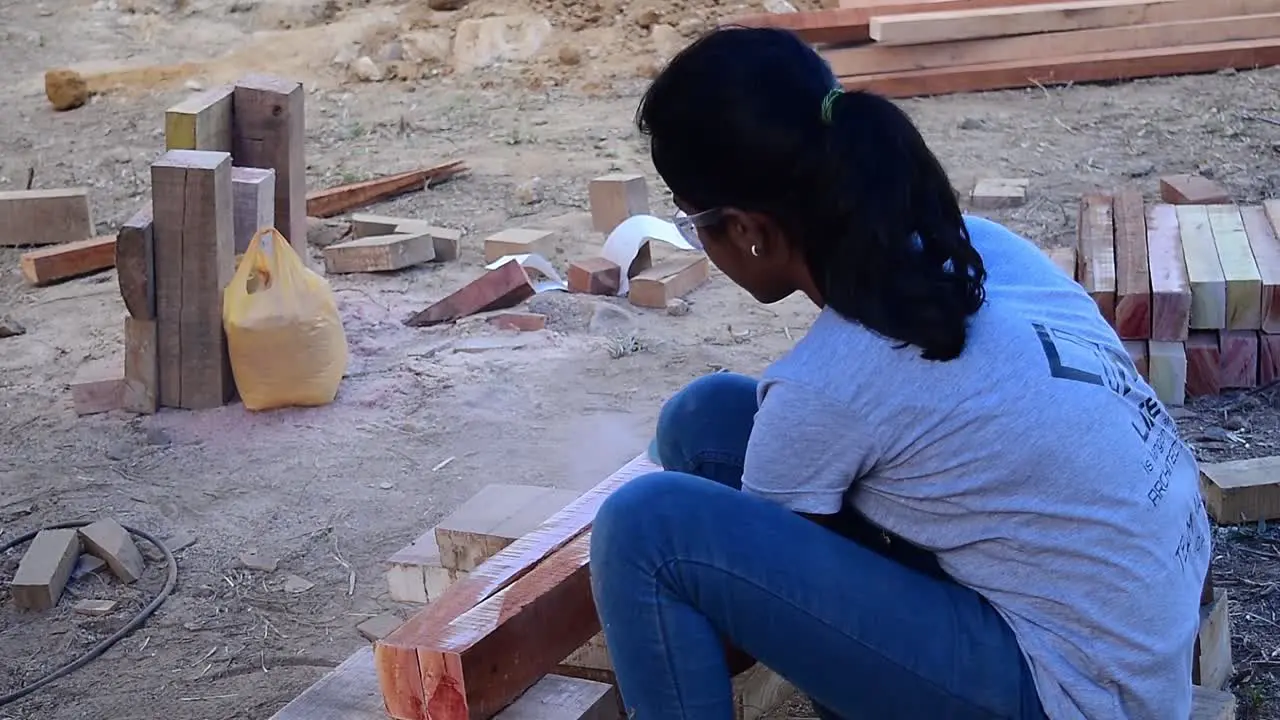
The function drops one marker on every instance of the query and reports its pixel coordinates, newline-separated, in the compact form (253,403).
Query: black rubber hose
(169,583)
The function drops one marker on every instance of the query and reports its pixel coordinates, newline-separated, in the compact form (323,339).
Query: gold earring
(755,251)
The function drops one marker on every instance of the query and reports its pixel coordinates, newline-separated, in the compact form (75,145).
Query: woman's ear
(753,234)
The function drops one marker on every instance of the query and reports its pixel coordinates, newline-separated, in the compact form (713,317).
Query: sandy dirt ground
(331,492)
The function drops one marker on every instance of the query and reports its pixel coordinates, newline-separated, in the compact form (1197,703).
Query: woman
(954,498)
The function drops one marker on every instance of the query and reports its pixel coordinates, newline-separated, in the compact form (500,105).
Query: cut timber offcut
(505,286)
(44,217)
(1239,271)
(44,569)
(1242,491)
(61,262)
(1204,269)
(1133,273)
(1265,246)
(1170,286)
(379,253)
(201,122)
(668,280)
(1096,253)
(269,131)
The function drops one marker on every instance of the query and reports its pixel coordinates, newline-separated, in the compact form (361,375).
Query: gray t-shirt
(1038,466)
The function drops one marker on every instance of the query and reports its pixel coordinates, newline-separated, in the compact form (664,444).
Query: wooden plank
(1268,358)
(494,518)
(1211,665)
(141,388)
(999,193)
(850,22)
(877,58)
(498,289)
(135,265)
(1167,371)
(203,121)
(400,675)
(1204,363)
(61,262)
(951,25)
(1242,491)
(1239,271)
(1133,272)
(446,240)
(44,569)
(345,198)
(194,262)
(1193,189)
(614,198)
(44,217)
(1095,253)
(269,133)
(1089,67)
(1238,358)
(1170,285)
(1137,350)
(379,253)
(1262,225)
(253,197)
(1204,269)
(350,692)
(668,280)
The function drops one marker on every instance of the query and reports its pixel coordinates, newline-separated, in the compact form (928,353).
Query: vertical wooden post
(270,132)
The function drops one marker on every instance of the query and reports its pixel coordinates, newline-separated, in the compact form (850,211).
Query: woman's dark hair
(736,120)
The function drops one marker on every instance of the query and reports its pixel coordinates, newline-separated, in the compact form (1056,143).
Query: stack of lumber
(903,48)
(1192,289)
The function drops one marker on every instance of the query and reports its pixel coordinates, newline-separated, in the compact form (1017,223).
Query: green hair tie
(827,102)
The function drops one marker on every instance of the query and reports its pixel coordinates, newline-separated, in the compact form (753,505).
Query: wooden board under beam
(400,675)
(951,25)
(851,24)
(1095,253)
(1204,269)
(1092,67)
(1133,274)
(1170,286)
(61,262)
(1239,271)
(1262,225)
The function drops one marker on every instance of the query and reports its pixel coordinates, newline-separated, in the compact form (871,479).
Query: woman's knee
(708,399)
(638,516)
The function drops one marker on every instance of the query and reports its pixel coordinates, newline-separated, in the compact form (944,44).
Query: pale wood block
(1137,350)
(1192,190)
(519,241)
(1239,271)
(1064,258)
(379,626)
(253,195)
(1242,491)
(1204,362)
(269,126)
(44,569)
(1238,358)
(615,198)
(415,573)
(1268,358)
(1167,371)
(757,691)
(1262,225)
(1211,667)
(201,122)
(108,540)
(379,253)
(45,217)
(1209,704)
(1096,255)
(494,518)
(98,387)
(447,241)
(1133,272)
(193,230)
(999,193)
(139,392)
(1204,269)
(668,280)
(1170,285)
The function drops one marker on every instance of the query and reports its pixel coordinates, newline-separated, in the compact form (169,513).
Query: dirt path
(335,490)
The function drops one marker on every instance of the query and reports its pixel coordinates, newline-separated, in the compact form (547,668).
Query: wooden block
(1192,190)
(1203,364)
(1239,271)
(999,193)
(378,626)
(505,286)
(1242,491)
(523,322)
(379,253)
(849,22)
(400,671)
(518,241)
(269,133)
(415,573)
(1211,666)
(1133,271)
(95,608)
(595,276)
(253,197)
(68,260)
(1170,285)
(1268,358)
(97,388)
(446,240)
(201,122)
(44,569)
(1238,355)
(668,280)
(757,691)
(1137,350)
(494,518)
(1209,704)
(1167,371)
(1096,254)
(1064,258)
(194,261)
(135,265)
(106,539)
(1262,225)
(1204,269)
(44,217)
(139,392)
(615,198)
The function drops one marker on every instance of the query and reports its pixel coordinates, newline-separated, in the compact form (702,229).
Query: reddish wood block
(1170,284)
(505,286)
(1238,358)
(1133,275)
(1262,224)
(1268,358)
(1192,190)
(524,322)
(595,276)
(1203,364)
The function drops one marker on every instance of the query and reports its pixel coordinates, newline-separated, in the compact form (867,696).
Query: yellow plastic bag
(284,334)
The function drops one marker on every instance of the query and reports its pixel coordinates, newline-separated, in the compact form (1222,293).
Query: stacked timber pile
(904,48)
(1191,284)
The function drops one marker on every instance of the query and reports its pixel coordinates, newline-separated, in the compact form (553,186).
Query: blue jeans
(869,627)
